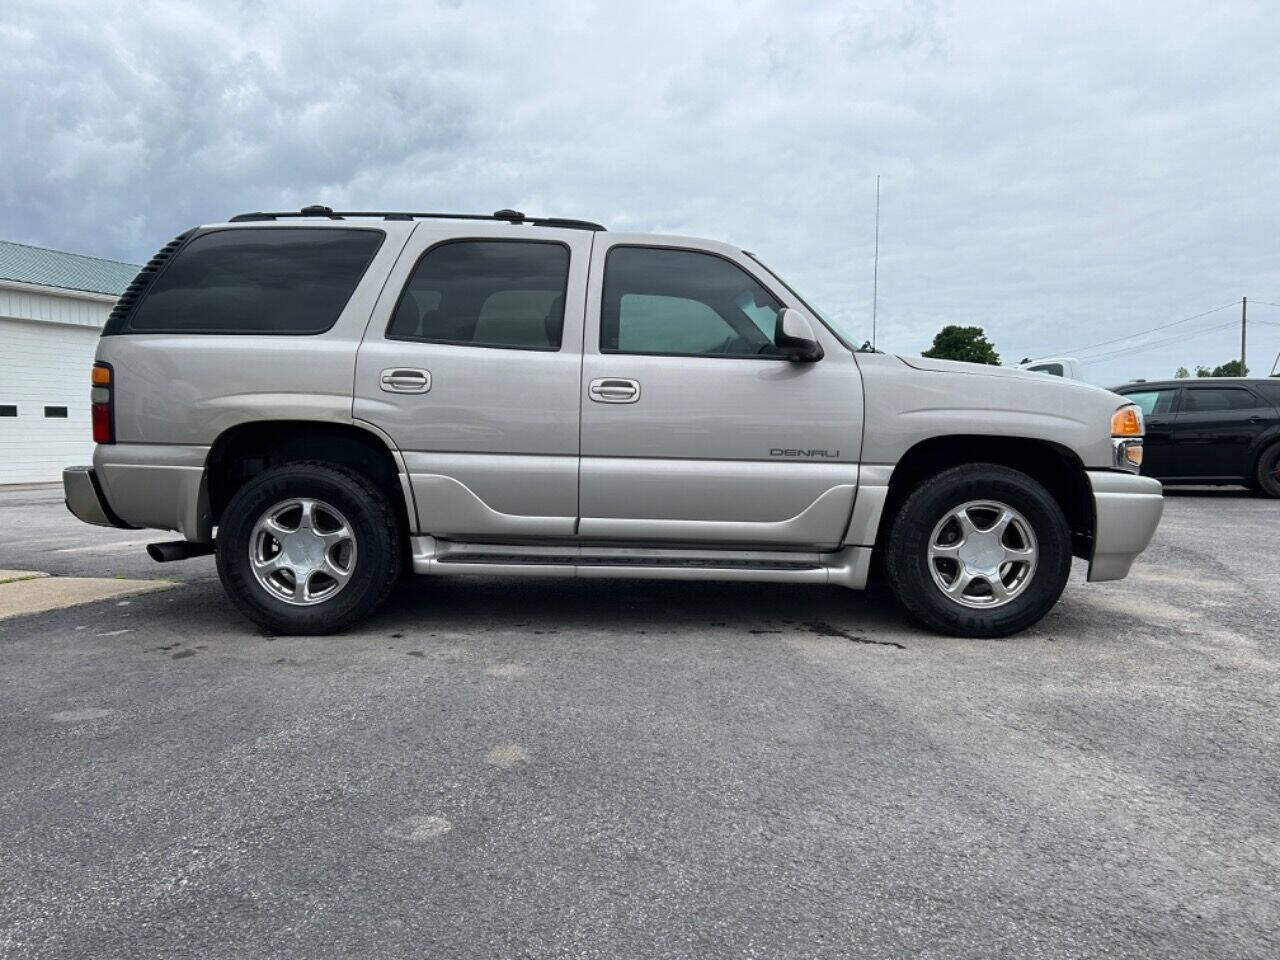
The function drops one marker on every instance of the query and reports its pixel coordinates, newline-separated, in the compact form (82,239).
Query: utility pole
(1244,314)
(875,269)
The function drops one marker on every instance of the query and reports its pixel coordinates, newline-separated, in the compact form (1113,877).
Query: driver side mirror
(795,337)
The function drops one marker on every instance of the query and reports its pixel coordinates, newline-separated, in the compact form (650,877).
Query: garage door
(44,399)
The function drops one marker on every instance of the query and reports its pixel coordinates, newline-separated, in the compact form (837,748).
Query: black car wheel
(978,551)
(1267,475)
(308,548)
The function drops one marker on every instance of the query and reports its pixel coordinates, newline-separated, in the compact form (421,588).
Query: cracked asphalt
(558,768)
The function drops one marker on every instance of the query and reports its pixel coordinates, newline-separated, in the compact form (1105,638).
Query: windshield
(841,330)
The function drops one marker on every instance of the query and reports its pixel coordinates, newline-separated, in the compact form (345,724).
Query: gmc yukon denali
(327,401)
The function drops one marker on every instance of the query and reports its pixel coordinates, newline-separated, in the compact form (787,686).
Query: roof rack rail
(508,216)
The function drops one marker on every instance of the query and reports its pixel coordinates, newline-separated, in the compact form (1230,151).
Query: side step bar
(847,567)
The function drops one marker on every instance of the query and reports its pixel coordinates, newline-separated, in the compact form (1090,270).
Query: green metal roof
(71,271)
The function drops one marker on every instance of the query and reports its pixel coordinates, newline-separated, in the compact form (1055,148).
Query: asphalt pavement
(560,768)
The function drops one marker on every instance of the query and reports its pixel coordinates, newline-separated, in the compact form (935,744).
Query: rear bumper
(134,486)
(85,500)
(156,485)
(1127,510)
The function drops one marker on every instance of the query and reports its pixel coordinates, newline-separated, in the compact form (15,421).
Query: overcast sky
(1059,174)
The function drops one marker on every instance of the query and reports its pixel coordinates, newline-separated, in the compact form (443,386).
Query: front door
(1159,417)
(694,428)
(471,365)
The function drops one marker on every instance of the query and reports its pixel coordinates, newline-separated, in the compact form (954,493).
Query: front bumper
(1126,511)
(85,500)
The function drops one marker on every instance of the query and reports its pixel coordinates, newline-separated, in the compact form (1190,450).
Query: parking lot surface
(559,768)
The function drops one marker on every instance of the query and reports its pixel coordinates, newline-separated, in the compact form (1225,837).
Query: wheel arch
(1055,467)
(244,450)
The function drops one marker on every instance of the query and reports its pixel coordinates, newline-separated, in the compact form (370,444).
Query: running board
(847,567)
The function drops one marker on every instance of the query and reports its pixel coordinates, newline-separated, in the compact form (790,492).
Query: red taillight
(102,423)
(102,404)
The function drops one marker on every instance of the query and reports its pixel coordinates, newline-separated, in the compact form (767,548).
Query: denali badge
(792,452)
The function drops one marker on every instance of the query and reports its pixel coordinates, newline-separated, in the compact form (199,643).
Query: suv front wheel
(978,551)
(308,548)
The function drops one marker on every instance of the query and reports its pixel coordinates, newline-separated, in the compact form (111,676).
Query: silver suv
(326,400)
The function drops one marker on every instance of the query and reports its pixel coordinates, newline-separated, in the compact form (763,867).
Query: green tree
(1231,368)
(969,344)
(1182,373)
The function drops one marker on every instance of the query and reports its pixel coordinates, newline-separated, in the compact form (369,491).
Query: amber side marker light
(1126,422)
(102,404)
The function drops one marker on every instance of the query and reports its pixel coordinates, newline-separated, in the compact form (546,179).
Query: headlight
(1126,438)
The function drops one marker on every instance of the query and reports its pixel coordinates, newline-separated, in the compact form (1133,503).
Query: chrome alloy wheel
(302,551)
(982,554)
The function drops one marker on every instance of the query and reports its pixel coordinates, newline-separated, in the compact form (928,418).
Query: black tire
(909,568)
(376,563)
(1266,476)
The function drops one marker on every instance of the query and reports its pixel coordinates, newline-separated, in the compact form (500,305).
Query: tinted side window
(277,281)
(1271,390)
(486,293)
(1053,369)
(1201,399)
(1153,402)
(667,301)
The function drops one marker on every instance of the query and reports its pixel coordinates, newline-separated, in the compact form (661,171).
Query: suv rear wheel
(1267,477)
(978,551)
(308,548)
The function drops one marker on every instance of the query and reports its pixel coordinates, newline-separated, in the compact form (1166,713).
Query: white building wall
(47,344)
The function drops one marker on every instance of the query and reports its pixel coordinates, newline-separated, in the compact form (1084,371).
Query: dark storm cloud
(1059,174)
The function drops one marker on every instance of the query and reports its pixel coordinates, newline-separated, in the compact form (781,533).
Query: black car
(1219,430)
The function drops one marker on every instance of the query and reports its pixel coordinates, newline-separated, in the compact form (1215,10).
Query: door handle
(614,390)
(405,380)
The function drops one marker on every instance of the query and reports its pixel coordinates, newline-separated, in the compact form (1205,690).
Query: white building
(52,308)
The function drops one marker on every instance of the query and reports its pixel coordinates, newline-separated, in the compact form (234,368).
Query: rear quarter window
(1271,391)
(285,281)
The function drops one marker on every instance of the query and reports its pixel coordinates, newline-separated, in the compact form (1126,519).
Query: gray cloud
(1058,174)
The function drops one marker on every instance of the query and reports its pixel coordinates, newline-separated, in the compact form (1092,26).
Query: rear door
(1217,428)
(694,429)
(1160,418)
(471,364)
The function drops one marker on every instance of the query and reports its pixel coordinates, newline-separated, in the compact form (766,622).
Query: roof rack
(509,216)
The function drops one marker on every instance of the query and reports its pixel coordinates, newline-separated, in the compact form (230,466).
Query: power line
(1138,347)
(1181,335)
(1163,326)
